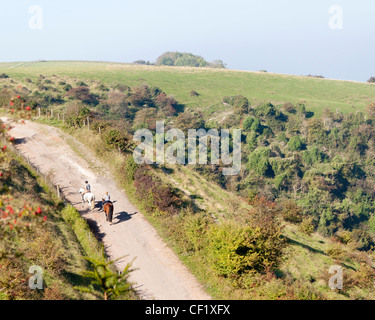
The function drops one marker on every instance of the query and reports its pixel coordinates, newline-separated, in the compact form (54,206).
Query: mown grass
(211,84)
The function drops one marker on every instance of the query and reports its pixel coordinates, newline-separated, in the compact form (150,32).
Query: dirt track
(160,274)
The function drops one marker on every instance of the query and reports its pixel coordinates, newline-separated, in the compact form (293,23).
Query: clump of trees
(186,60)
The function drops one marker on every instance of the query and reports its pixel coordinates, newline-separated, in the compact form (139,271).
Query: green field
(211,84)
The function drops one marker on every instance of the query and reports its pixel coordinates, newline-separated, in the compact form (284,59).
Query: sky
(332,38)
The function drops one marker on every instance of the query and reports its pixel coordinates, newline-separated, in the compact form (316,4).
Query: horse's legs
(110,214)
(106,212)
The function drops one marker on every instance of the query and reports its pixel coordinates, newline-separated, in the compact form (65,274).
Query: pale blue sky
(282,36)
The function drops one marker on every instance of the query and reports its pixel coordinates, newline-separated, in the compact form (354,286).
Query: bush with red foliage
(166,104)
(83,94)
(143,96)
(155,194)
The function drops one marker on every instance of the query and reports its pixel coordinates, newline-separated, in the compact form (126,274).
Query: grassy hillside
(303,202)
(50,244)
(211,84)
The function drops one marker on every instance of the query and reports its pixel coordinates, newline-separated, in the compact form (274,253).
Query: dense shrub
(167,104)
(235,249)
(259,161)
(116,139)
(145,118)
(313,155)
(362,239)
(188,120)
(143,96)
(290,108)
(246,124)
(83,94)
(291,212)
(240,103)
(254,244)
(230,248)
(296,144)
(156,196)
(121,87)
(76,114)
(67,87)
(307,226)
(130,168)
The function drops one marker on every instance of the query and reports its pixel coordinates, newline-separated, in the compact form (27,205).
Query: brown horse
(108,209)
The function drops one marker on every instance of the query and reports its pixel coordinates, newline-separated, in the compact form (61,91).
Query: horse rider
(105,199)
(87,187)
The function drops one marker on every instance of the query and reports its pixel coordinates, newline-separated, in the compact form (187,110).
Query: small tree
(105,282)
(371,80)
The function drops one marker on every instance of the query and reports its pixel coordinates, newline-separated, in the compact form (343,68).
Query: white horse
(88,197)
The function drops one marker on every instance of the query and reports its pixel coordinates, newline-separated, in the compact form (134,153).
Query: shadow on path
(95,229)
(123,216)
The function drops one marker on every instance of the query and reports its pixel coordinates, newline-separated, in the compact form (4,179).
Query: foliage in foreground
(105,281)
